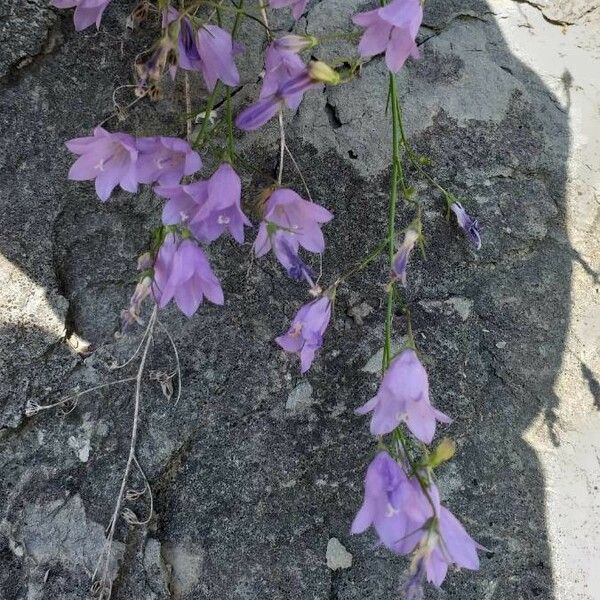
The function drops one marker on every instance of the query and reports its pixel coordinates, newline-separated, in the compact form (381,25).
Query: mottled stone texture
(256,468)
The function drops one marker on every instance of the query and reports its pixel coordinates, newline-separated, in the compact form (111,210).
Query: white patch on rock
(300,397)
(186,562)
(374,363)
(81,447)
(337,556)
(454,305)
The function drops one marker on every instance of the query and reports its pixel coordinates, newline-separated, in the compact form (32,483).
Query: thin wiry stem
(102,583)
(299,171)
(115,366)
(177,362)
(130,516)
(33,408)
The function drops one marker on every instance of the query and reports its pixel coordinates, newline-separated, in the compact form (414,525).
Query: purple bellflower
(294,222)
(298,6)
(188,57)
(469,225)
(182,273)
(109,158)
(207,208)
(444,542)
(305,336)
(210,51)
(406,518)
(400,262)
(87,12)
(287,255)
(391,29)
(289,91)
(281,65)
(404,396)
(217,51)
(166,160)
(393,504)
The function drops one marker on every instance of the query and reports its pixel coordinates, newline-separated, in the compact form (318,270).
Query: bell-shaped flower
(182,273)
(109,158)
(207,208)
(166,160)
(294,219)
(287,254)
(281,66)
(469,225)
(217,51)
(403,396)
(393,504)
(289,82)
(443,543)
(305,335)
(188,57)
(87,12)
(391,29)
(298,6)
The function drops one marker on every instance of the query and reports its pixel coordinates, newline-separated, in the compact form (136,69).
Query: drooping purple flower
(87,12)
(289,259)
(393,504)
(305,335)
(289,90)
(217,50)
(182,272)
(166,160)
(296,222)
(404,396)
(391,29)
(258,113)
(207,208)
(407,515)
(188,57)
(400,262)
(298,6)
(281,66)
(444,542)
(109,158)
(469,225)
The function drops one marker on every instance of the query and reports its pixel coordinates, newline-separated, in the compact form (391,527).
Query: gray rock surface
(247,492)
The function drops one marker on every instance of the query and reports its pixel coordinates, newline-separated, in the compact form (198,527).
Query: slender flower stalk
(397,176)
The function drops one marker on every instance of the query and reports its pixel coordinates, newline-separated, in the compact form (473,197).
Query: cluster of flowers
(401,499)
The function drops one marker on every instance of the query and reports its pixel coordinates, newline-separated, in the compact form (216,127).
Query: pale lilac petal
(368,406)
(363,519)
(375,39)
(215,47)
(364,19)
(256,115)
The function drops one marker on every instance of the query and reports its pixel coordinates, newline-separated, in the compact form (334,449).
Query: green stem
(361,265)
(397,177)
(210,102)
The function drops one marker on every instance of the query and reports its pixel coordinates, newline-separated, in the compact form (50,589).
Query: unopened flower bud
(445,450)
(295,43)
(145,262)
(322,72)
